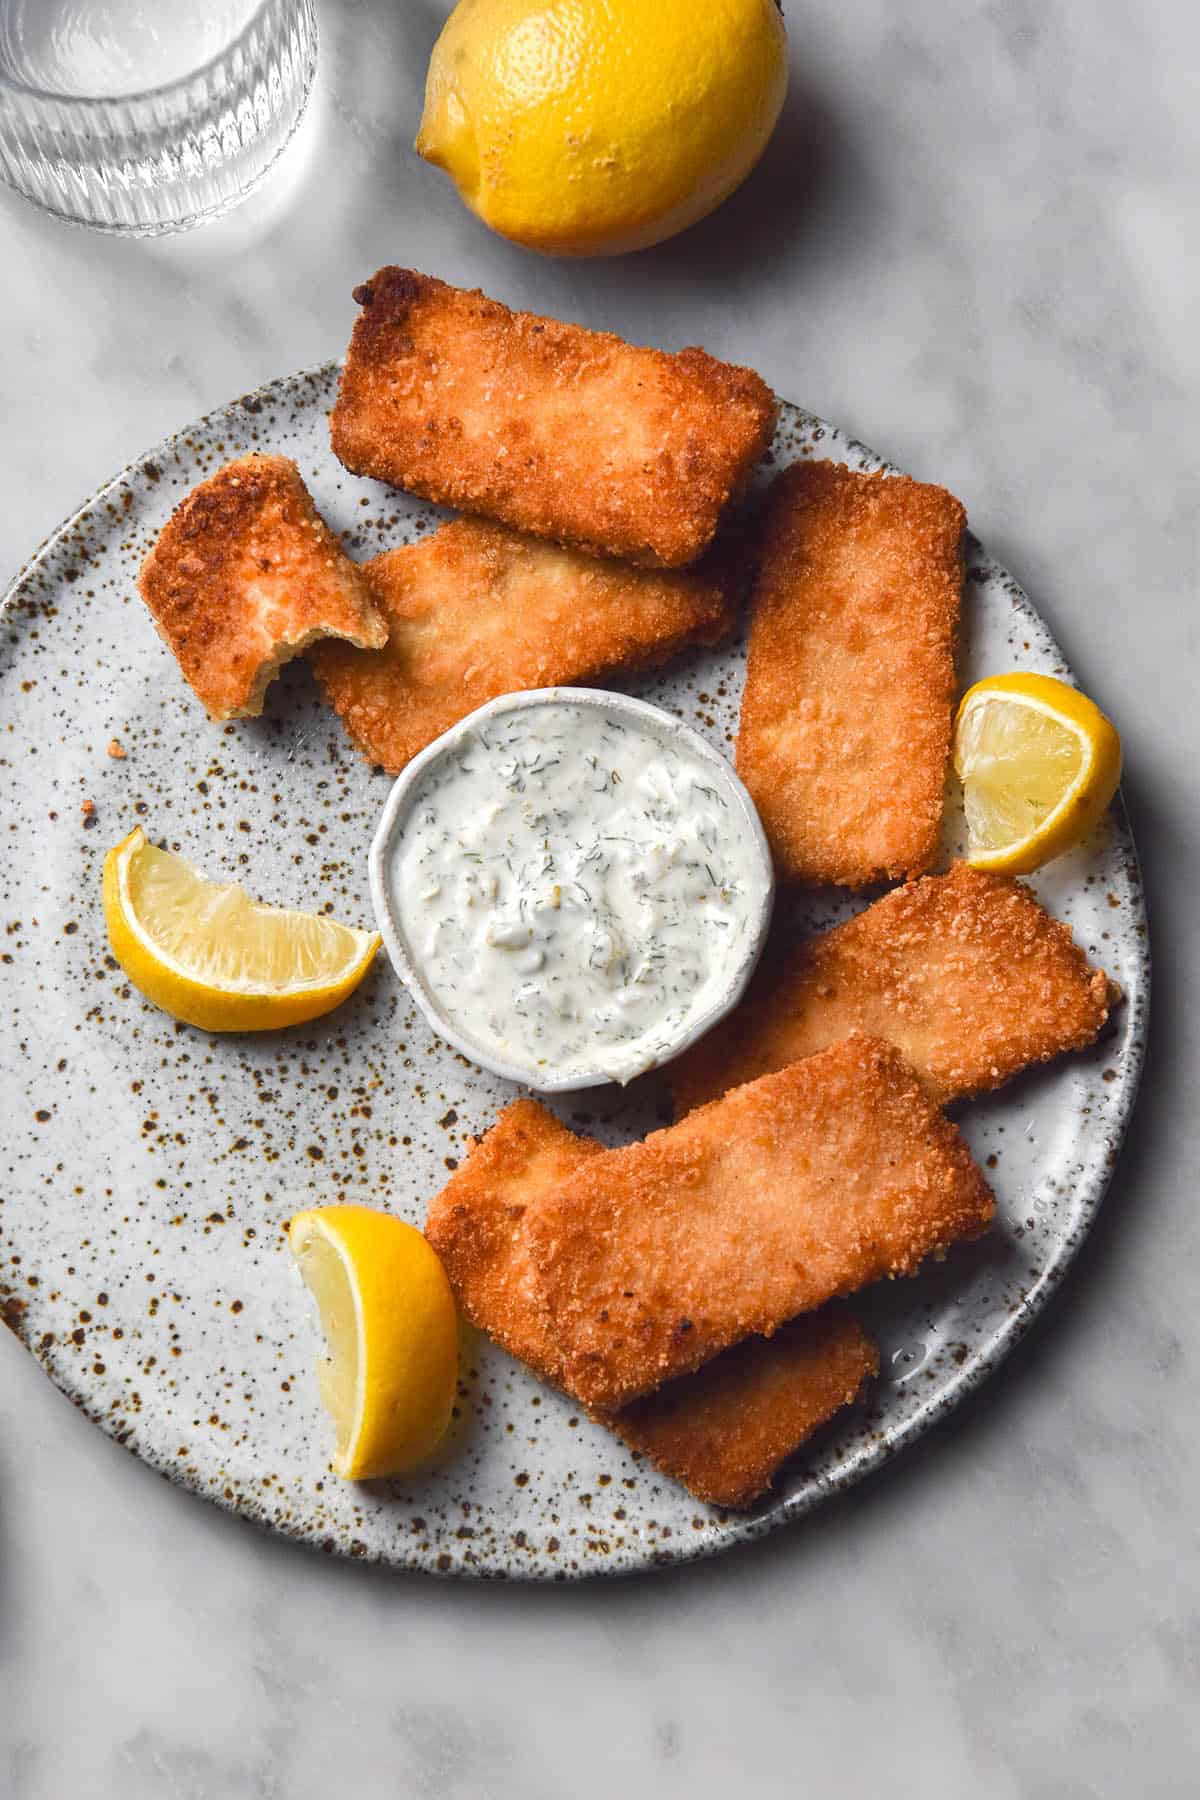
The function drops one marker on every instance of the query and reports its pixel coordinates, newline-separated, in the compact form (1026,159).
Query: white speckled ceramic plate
(148,1171)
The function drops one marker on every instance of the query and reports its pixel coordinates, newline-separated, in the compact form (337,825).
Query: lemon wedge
(592,127)
(210,955)
(1039,764)
(391,1333)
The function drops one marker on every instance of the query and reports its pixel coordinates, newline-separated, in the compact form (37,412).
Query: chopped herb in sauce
(574,889)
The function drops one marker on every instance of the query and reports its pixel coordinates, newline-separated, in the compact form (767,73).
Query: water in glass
(148,115)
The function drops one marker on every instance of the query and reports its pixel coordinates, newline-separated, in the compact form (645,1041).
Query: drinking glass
(146,116)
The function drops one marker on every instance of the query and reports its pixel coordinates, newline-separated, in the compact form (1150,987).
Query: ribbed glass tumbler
(166,154)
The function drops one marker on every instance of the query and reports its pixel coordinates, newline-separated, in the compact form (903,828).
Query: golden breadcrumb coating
(801,1186)
(965,973)
(476,610)
(477,1224)
(244,576)
(567,433)
(723,1431)
(845,723)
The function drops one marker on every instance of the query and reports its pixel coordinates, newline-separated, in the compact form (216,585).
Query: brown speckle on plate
(131,1140)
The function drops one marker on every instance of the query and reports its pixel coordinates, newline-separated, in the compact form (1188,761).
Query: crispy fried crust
(569,434)
(845,723)
(801,1186)
(476,610)
(723,1431)
(964,973)
(246,574)
(477,1224)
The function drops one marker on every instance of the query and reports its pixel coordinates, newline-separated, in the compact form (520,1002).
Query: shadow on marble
(809,174)
(376,60)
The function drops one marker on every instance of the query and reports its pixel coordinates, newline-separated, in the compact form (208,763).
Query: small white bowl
(395,814)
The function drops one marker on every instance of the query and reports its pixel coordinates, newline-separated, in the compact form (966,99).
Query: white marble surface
(973,243)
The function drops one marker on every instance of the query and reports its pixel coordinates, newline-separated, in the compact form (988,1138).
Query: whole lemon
(588,127)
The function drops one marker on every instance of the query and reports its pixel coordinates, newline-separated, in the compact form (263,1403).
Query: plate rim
(886,1445)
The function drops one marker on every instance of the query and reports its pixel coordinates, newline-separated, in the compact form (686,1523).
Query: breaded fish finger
(477,1224)
(723,1431)
(785,1193)
(965,973)
(567,433)
(244,576)
(845,722)
(476,610)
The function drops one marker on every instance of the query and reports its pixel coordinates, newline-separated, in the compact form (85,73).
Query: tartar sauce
(575,888)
